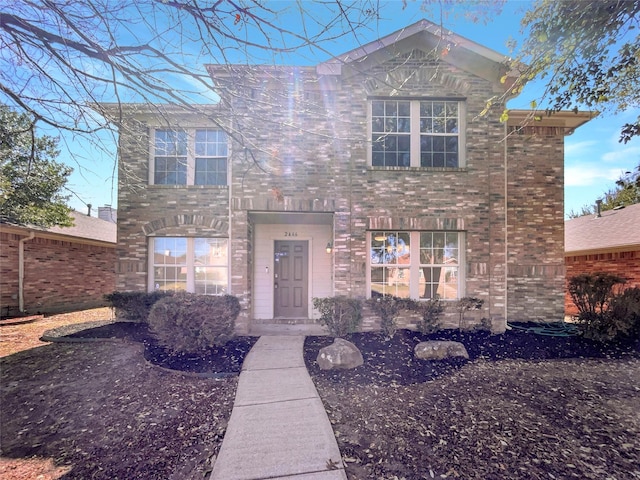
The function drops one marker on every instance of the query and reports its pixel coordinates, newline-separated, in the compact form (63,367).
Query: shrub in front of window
(466,304)
(340,314)
(134,306)
(430,311)
(190,323)
(387,307)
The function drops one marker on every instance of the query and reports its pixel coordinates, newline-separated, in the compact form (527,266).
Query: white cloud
(589,175)
(578,148)
(622,156)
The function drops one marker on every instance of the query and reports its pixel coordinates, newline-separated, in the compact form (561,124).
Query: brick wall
(625,264)
(535,224)
(300,144)
(60,276)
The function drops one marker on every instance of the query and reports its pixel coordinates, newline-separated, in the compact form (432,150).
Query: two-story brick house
(372,173)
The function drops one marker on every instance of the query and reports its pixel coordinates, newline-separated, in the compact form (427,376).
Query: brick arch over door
(220,226)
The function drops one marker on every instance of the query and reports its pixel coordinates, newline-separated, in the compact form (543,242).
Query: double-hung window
(418,265)
(189,157)
(199,265)
(416,133)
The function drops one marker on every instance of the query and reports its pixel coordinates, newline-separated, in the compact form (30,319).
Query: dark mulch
(218,361)
(392,361)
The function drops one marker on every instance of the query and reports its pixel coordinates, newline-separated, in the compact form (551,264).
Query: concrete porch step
(300,329)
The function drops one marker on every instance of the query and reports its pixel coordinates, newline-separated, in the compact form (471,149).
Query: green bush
(430,311)
(604,314)
(464,305)
(190,323)
(340,314)
(134,306)
(387,307)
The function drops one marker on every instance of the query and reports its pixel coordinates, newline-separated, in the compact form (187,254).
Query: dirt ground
(99,410)
(524,407)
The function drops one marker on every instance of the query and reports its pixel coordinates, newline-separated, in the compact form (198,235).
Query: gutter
(21,243)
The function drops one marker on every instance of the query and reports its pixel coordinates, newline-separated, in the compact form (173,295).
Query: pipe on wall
(21,243)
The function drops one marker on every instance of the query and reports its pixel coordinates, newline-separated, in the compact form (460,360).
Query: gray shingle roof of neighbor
(615,230)
(87,227)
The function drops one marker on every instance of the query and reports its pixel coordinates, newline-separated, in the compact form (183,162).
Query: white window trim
(415,132)
(414,268)
(191,157)
(191,279)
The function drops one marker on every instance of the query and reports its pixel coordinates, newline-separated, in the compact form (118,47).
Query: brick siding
(514,238)
(624,264)
(60,276)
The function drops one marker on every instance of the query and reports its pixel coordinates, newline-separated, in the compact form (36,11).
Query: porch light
(329,247)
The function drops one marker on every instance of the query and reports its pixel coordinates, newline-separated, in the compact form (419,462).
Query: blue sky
(594,158)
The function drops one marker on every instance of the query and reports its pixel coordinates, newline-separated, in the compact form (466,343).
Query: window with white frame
(418,265)
(199,265)
(189,157)
(416,133)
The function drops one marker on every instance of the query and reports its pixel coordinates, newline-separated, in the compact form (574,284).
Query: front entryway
(291,279)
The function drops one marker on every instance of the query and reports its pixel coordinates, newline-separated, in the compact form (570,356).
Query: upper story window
(416,133)
(189,157)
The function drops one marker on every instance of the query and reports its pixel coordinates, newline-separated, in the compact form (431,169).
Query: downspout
(21,243)
(506,223)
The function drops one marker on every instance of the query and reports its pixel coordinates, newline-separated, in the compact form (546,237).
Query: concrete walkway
(278,427)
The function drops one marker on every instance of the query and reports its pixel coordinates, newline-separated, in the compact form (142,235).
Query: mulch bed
(215,362)
(391,360)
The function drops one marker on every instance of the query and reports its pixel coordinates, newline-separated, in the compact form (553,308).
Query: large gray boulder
(341,354)
(439,350)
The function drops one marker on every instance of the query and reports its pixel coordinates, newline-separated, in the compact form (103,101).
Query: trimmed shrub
(134,306)
(387,307)
(464,305)
(604,313)
(592,292)
(190,323)
(340,314)
(430,311)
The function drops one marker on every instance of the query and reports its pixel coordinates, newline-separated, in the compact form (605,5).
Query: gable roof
(86,229)
(425,35)
(615,230)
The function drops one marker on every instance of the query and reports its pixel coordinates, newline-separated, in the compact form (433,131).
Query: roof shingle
(614,230)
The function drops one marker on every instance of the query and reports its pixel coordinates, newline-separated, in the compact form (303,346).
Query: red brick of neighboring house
(65,269)
(607,243)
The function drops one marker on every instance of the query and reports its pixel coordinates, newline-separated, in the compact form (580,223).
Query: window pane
(390,281)
(170,260)
(211,270)
(210,171)
(211,280)
(211,251)
(390,248)
(439,254)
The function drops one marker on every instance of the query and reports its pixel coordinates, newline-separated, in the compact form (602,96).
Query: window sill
(416,169)
(190,187)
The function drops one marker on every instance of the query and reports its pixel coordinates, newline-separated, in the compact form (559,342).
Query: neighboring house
(607,243)
(59,269)
(372,173)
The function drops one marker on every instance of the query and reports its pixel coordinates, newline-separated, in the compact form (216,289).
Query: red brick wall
(625,264)
(59,275)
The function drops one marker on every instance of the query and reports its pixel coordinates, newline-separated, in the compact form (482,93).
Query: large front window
(418,265)
(189,157)
(197,265)
(416,133)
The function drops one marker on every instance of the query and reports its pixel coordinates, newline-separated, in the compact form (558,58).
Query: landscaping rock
(341,354)
(439,350)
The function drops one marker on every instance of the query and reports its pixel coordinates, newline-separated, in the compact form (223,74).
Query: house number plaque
(290,234)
